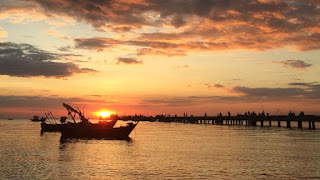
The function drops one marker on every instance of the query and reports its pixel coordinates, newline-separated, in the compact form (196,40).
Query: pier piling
(313,125)
(309,124)
(299,124)
(270,123)
(288,124)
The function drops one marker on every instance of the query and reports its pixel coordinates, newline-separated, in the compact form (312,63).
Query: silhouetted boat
(9,119)
(96,131)
(86,129)
(57,127)
(37,119)
(53,126)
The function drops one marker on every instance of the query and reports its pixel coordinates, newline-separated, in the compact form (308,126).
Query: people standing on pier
(291,113)
(253,113)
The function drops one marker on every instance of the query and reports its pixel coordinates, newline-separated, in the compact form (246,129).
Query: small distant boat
(10,119)
(37,119)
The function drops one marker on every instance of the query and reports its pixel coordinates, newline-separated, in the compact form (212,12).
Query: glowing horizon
(151,57)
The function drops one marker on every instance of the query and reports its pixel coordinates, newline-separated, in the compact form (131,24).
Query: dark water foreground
(161,151)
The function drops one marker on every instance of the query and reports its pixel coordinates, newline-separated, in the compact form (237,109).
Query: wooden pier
(239,120)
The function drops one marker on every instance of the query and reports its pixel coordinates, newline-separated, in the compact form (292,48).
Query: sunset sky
(159,56)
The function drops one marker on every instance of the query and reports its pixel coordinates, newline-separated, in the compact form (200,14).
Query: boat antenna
(83,110)
(53,117)
(70,109)
(46,115)
(80,113)
(49,118)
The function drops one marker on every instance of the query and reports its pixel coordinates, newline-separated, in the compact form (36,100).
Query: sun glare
(105,114)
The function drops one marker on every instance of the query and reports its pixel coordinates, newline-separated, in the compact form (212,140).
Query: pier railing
(246,120)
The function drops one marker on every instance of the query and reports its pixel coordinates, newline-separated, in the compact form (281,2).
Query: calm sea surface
(161,151)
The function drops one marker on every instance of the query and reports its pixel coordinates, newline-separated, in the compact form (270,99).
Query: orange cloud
(195,25)
(151,51)
(299,64)
(128,61)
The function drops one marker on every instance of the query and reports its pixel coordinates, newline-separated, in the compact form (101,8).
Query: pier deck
(246,120)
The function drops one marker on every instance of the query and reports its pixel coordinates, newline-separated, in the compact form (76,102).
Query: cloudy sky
(159,56)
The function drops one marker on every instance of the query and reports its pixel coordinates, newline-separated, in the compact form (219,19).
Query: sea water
(161,151)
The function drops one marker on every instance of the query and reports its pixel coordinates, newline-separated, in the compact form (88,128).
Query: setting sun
(104,114)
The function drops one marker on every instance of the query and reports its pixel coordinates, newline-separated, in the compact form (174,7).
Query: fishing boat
(37,119)
(101,130)
(95,131)
(53,125)
(57,126)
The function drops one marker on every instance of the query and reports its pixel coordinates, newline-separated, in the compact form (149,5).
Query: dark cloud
(294,63)
(304,84)
(218,86)
(309,91)
(156,47)
(167,101)
(214,85)
(128,61)
(208,85)
(41,102)
(168,52)
(24,60)
(98,13)
(178,21)
(80,61)
(65,48)
(269,92)
(122,29)
(94,43)
(312,90)
(246,94)
(218,99)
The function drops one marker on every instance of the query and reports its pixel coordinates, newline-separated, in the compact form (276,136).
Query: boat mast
(71,109)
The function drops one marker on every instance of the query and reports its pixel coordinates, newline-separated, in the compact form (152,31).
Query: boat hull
(86,131)
(51,127)
(35,120)
(58,127)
